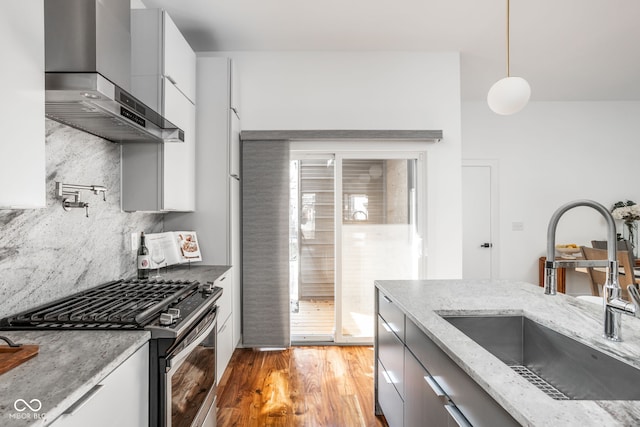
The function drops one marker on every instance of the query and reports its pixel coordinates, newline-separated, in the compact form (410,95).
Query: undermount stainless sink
(560,366)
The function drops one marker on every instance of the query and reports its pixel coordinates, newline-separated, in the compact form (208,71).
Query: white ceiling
(568,50)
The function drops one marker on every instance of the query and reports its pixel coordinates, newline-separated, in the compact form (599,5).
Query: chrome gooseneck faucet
(614,305)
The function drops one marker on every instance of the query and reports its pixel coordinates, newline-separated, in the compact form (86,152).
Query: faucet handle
(635,298)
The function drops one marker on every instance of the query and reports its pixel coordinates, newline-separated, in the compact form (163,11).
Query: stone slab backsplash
(49,253)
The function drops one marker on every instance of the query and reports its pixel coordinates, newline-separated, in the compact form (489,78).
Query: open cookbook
(179,247)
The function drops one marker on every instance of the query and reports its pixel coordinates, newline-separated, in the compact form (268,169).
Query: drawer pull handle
(387,378)
(435,387)
(457,416)
(386,298)
(83,400)
(387,327)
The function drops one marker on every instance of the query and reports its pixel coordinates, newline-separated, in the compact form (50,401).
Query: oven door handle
(174,361)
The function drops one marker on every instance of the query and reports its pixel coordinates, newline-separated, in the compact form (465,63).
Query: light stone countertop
(67,366)
(195,271)
(423,301)
(70,363)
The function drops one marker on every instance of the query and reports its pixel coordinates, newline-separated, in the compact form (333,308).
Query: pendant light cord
(508,45)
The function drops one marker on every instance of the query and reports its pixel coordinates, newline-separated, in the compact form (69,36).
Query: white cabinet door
(179,175)
(22,150)
(120,399)
(234,96)
(236,251)
(234,144)
(162,178)
(225,303)
(224,339)
(224,348)
(179,59)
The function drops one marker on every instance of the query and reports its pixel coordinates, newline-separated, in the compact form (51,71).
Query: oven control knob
(166,319)
(175,312)
(207,288)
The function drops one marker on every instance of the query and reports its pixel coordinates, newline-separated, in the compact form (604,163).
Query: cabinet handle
(386,298)
(83,400)
(171,79)
(457,416)
(387,377)
(387,327)
(435,387)
(222,279)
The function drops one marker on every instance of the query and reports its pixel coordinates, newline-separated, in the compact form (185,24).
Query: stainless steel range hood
(88,73)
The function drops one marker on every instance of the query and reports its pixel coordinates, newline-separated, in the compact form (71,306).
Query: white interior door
(478,194)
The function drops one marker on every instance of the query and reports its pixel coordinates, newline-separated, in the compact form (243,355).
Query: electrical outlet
(134,241)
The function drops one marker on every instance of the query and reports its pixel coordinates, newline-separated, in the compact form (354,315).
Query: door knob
(486,245)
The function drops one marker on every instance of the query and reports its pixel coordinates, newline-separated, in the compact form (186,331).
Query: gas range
(166,308)
(182,318)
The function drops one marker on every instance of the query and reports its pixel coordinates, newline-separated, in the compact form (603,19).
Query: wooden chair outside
(598,275)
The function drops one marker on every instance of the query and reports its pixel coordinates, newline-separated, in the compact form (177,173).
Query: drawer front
(423,404)
(391,314)
(126,388)
(389,400)
(225,302)
(225,348)
(391,354)
(474,403)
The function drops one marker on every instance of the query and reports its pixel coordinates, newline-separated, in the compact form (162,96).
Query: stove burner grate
(121,304)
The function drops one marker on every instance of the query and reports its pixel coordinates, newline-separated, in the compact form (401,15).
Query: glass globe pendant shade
(509,95)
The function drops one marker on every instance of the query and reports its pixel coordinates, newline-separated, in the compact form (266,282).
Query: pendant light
(510,94)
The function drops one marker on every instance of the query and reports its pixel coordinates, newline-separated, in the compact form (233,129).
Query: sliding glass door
(312,248)
(377,237)
(354,219)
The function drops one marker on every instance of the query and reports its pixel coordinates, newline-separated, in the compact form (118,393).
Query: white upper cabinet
(22,150)
(179,158)
(179,60)
(234,84)
(161,178)
(158,50)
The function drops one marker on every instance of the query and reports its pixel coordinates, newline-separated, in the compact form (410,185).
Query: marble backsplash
(49,253)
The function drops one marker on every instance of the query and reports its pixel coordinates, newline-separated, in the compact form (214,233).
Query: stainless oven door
(190,377)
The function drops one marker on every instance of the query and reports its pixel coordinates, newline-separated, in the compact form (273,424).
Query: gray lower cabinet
(423,405)
(389,400)
(469,398)
(418,385)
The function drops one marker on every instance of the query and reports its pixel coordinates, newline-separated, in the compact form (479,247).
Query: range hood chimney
(88,73)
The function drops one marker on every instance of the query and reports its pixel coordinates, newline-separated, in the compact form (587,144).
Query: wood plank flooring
(322,386)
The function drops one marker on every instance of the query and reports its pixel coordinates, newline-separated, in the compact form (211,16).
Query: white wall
(376,90)
(549,154)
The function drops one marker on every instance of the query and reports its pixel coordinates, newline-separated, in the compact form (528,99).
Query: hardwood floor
(320,386)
